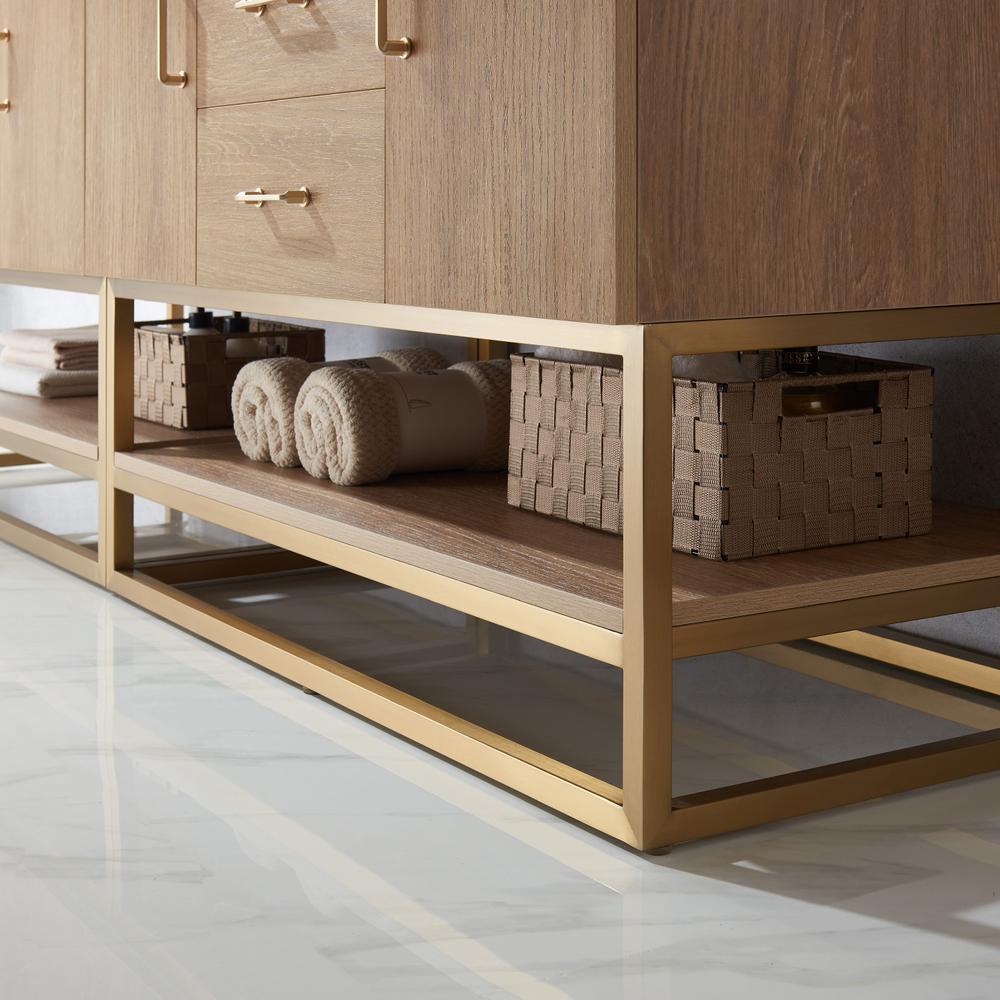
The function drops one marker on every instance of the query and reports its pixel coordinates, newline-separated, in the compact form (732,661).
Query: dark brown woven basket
(748,480)
(185,380)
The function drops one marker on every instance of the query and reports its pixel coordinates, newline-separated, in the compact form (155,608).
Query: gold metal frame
(642,813)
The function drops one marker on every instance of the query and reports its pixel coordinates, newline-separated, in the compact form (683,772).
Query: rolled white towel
(357,427)
(264,394)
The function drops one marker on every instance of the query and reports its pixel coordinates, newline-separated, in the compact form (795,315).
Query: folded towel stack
(265,391)
(49,363)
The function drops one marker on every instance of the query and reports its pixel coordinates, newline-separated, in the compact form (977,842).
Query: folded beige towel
(73,348)
(47,383)
(360,427)
(67,361)
(265,391)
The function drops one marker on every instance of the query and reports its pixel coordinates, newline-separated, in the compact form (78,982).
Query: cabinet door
(510,157)
(804,156)
(41,136)
(141,152)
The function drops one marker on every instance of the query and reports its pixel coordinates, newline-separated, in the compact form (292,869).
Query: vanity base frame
(657,622)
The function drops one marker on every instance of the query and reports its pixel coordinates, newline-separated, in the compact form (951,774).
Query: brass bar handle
(259,6)
(257,197)
(399,48)
(4,101)
(164,75)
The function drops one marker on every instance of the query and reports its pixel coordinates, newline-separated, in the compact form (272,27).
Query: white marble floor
(177,824)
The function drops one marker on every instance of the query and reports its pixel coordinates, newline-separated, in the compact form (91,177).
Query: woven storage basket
(185,380)
(748,481)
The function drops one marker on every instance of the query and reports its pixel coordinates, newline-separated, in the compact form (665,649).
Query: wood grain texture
(964,544)
(460,523)
(290,51)
(332,145)
(72,424)
(140,143)
(806,156)
(510,158)
(42,136)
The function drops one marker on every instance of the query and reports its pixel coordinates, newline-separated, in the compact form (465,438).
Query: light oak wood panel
(141,160)
(332,145)
(289,51)
(42,136)
(461,523)
(805,156)
(510,158)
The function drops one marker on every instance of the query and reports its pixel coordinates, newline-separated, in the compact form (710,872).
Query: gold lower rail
(723,810)
(74,558)
(550,782)
(916,658)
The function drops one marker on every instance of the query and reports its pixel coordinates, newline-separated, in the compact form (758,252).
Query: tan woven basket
(185,380)
(748,480)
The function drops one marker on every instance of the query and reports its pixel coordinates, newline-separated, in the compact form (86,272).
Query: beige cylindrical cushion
(265,391)
(357,427)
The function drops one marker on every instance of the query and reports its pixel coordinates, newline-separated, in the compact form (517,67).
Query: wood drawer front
(335,147)
(289,51)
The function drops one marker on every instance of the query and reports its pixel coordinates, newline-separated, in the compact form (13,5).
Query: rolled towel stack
(49,363)
(265,391)
(357,427)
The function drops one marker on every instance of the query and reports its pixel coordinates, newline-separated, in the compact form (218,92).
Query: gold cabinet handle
(164,75)
(400,48)
(4,101)
(257,197)
(259,6)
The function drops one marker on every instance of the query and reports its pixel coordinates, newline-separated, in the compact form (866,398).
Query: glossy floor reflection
(737,716)
(175,824)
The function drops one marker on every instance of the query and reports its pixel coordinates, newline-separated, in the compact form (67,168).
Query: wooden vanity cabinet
(659,160)
(800,156)
(608,161)
(141,142)
(42,136)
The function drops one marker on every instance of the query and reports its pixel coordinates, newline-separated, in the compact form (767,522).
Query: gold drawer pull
(4,101)
(257,197)
(397,47)
(164,75)
(259,6)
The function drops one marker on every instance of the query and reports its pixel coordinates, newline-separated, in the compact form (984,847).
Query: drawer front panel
(327,47)
(334,245)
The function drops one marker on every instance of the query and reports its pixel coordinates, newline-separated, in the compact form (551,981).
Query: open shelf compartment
(460,526)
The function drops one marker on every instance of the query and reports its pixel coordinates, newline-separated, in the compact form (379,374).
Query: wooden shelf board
(964,545)
(456,524)
(464,526)
(71,424)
